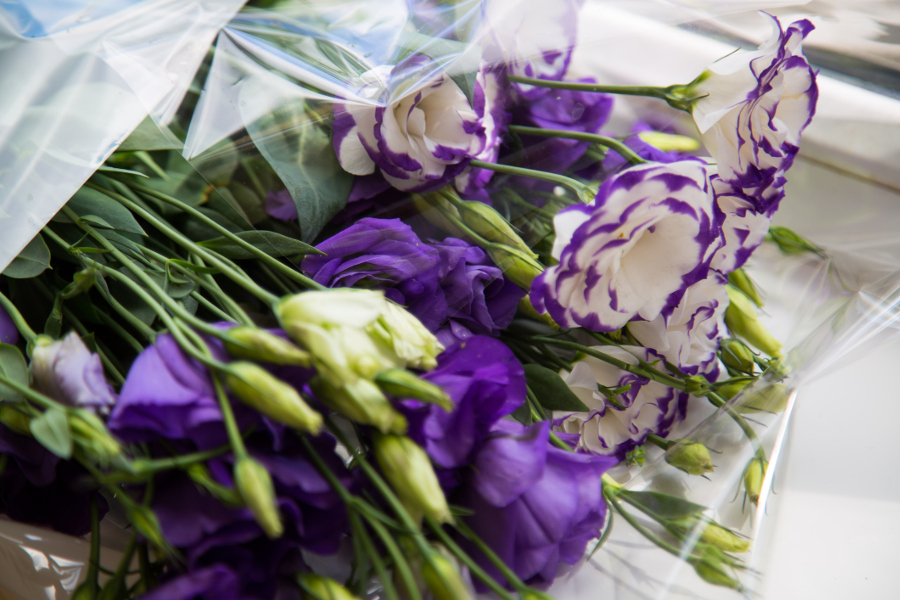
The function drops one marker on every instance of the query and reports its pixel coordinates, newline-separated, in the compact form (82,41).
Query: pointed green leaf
(14,367)
(31,261)
(273,244)
(551,390)
(51,429)
(193,267)
(89,202)
(664,506)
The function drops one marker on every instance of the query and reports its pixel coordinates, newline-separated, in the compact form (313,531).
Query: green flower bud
(690,456)
(528,309)
(732,389)
(517,265)
(316,587)
(739,279)
(772,398)
(95,438)
(667,142)
(145,522)
(710,533)
(716,574)
(256,344)
(754,475)
(254,484)
(342,306)
(736,355)
(443,579)
(360,401)
(405,335)
(261,390)
(487,222)
(791,243)
(400,383)
(408,469)
(15,419)
(741,318)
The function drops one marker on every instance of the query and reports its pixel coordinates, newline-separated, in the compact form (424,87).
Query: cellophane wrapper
(245,100)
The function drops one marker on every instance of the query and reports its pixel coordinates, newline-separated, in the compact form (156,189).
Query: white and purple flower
(687,335)
(754,107)
(649,235)
(613,427)
(419,138)
(743,227)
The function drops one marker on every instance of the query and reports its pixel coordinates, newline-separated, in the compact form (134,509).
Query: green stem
(121,331)
(32,395)
(626,152)
(511,196)
(658,441)
(583,192)
(501,566)
(17,319)
(217,312)
(227,303)
(149,466)
(94,562)
(668,94)
(720,402)
(115,584)
(260,255)
(369,548)
(400,562)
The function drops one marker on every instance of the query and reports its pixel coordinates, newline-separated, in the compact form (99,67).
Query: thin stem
(119,578)
(612,498)
(581,191)
(658,441)
(380,570)
(208,282)
(400,562)
(121,331)
(668,94)
(155,465)
(501,566)
(17,319)
(94,563)
(720,402)
(626,152)
(212,308)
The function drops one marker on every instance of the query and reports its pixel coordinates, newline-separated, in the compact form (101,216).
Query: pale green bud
(754,475)
(95,438)
(791,243)
(741,319)
(256,344)
(316,587)
(405,335)
(254,484)
(772,398)
(517,265)
(400,383)
(408,469)
(360,401)
(341,306)
(145,522)
(690,456)
(443,579)
(712,533)
(736,355)
(739,279)
(716,574)
(15,419)
(433,207)
(487,222)
(732,389)
(668,142)
(258,388)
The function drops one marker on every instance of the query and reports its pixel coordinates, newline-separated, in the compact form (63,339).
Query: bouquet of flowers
(405,305)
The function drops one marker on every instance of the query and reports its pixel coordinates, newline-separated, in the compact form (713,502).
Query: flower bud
(94,437)
(433,207)
(408,469)
(739,279)
(443,579)
(256,344)
(145,523)
(741,318)
(487,222)
(316,587)
(736,355)
(15,419)
(791,243)
(772,398)
(405,335)
(754,475)
(254,484)
(711,533)
(360,401)
(517,265)
(732,389)
(668,142)
(690,456)
(400,383)
(716,574)
(261,390)
(341,306)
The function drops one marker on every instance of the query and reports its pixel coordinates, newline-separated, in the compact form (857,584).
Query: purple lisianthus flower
(384,254)
(71,374)
(614,428)
(9,334)
(281,206)
(649,235)
(485,382)
(480,300)
(687,335)
(614,161)
(754,107)
(743,228)
(419,138)
(535,506)
(217,582)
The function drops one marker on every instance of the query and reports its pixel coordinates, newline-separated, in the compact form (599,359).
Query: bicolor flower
(71,374)
(754,107)
(743,229)
(648,236)
(613,426)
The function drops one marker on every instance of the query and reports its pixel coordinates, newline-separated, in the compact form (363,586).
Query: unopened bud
(145,523)
(737,355)
(316,587)
(668,142)
(342,306)
(256,344)
(95,438)
(433,207)
(690,456)
(360,401)
(791,243)
(732,389)
(15,419)
(82,281)
(405,335)
(408,469)
(742,320)
(517,265)
(772,398)
(753,478)
(261,390)
(711,533)
(529,310)
(254,484)
(739,279)
(443,579)
(487,222)
(400,383)
(716,574)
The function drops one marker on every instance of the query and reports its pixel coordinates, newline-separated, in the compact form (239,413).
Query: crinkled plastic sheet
(266,98)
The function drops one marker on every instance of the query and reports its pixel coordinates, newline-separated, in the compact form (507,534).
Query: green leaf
(31,261)
(51,429)
(273,244)
(88,201)
(14,367)
(302,154)
(523,415)
(125,171)
(193,267)
(664,506)
(551,390)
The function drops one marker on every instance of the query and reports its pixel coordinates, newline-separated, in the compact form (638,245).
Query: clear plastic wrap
(261,123)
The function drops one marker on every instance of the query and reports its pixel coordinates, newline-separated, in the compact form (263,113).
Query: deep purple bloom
(281,206)
(485,381)
(614,161)
(480,300)
(536,506)
(8,332)
(212,583)
(71,374)
(384,254)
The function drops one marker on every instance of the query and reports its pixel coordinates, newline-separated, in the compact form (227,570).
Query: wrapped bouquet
(405,301)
